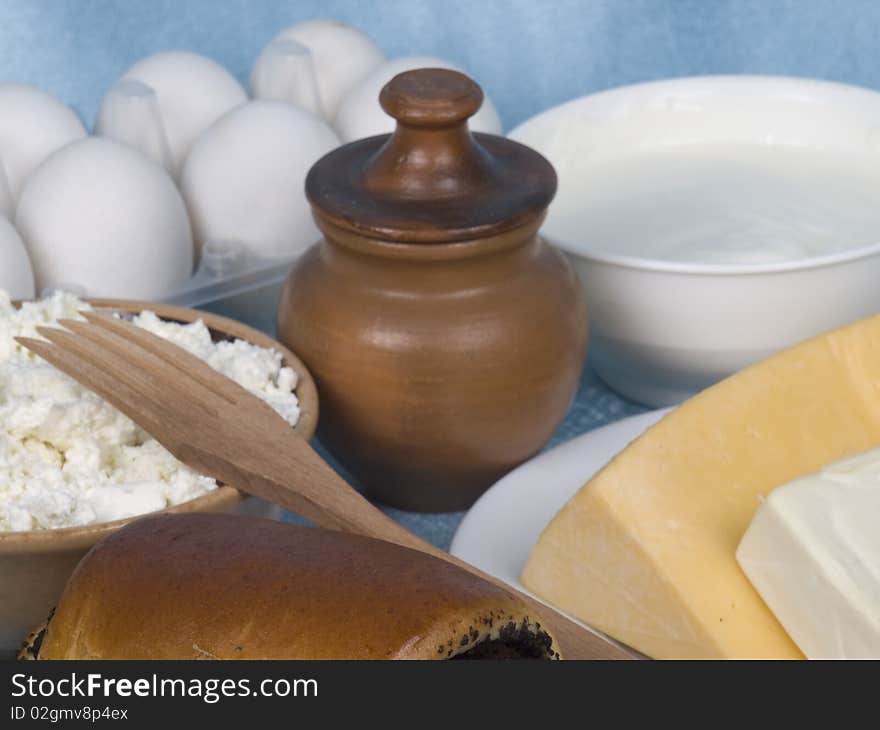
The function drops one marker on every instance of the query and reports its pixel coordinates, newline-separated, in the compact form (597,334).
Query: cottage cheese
(68,458)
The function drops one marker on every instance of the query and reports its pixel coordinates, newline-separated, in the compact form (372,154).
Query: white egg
(244,178)
(191,93)
(360,114)
(33,124)
(7,204)
(16,274)
(340,56)
(104,217)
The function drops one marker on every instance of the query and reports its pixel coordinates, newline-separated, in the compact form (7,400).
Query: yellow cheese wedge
(646,551)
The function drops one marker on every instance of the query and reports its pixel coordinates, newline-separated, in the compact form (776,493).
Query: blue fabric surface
(528,55)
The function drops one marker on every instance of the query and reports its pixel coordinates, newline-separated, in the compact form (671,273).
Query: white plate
(500,530)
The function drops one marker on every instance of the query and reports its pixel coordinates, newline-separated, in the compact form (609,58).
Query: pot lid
(432,180)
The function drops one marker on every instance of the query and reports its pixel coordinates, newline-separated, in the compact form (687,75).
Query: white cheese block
(813,553)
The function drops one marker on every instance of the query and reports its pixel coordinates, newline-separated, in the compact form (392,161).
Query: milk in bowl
(714,220)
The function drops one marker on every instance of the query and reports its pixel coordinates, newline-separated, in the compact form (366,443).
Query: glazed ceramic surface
(667,323)
(34,566)
(445,336)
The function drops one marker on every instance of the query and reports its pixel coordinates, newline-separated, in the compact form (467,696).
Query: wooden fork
(218,428)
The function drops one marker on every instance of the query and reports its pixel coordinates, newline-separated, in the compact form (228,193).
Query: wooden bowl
(35,565)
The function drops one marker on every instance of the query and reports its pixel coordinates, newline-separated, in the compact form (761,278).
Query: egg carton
(234,282)
(189,115)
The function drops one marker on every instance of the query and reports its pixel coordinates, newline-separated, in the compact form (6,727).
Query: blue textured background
(528,55)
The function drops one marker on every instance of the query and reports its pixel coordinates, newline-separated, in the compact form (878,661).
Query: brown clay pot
(445,336)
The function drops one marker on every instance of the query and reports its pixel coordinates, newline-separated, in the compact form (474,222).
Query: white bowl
(662,329)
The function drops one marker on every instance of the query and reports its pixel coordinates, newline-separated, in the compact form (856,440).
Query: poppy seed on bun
(201,586)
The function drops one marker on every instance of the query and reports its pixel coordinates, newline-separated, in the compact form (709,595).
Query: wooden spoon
(218,428)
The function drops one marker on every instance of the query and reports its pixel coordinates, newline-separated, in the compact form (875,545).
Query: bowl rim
(757,84)
(690,268)
(221,499)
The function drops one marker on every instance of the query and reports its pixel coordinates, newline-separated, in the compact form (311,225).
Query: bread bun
(31,648)
(200,586)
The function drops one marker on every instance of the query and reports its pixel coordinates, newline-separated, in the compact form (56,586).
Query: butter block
(646,551)
(813,553)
